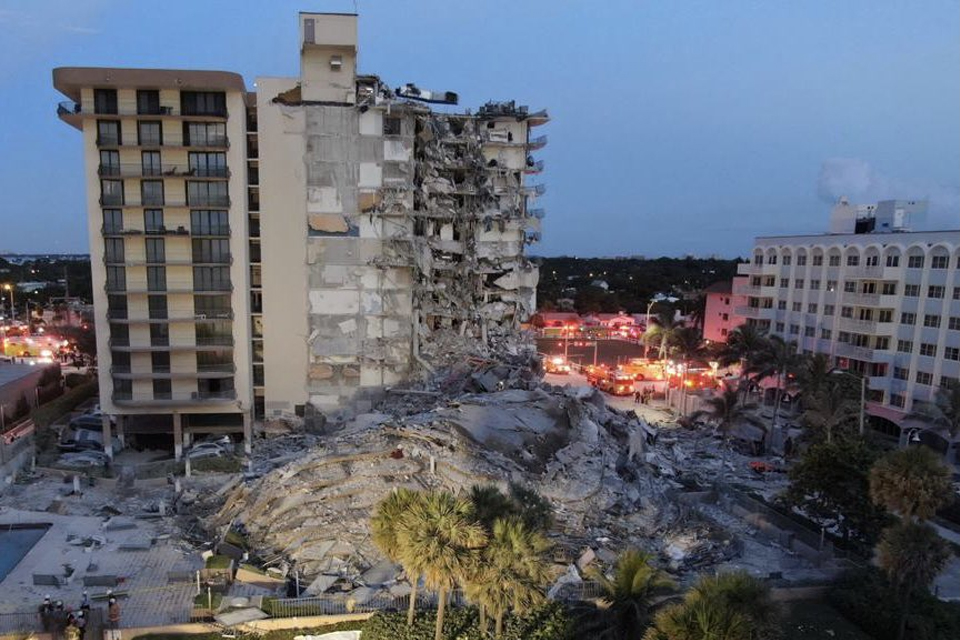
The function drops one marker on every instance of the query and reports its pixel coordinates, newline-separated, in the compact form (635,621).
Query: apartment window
(897,400)
(153,221)
(159,335)
(818,261)
(256,302)
(209,223)
(208,165)
(256,326)
(156,278)
(155,250)
(784,283)
(116,279)
(108,133)
(758,259)
(828,309)
(119,335)
(850,286)
(826,334)
(157,307)
(949,383)
(801,261)
(956,292)
(258,375)
(215,250)
(207,194)
(846,312)
(905,346)
(935,291)
(217,360)
(113,250)
(908,318)
(148,102)
(924,377)
(812,307)
(151,192)
(794,329)
(204,134)
(868,287)
(798,283)
(831,285)
(780,327)
(915,262)
(122,389)
(843,337)
(893,261)
(772,259)
(211,306)
(256,269)
(889,289)
(928,349)
(150,163)
(211,278)
(112,221)
(111,192)
(953,323)
(901,373)
(865,314)
(160,361)
(203,103)
(120,361)
(149,133)
(939,262)
(786,261)
(853,260)
(109,163)
(219,332)
(860,340)
(815,284)
(809,332)
(768,281)
(885,315)
(391,126)
(782,305)
(834,261)
(256,350)
(911,290)
(881,343)
(105,101)
(117,307)
(797,307)
(951,353)
(873,261)
(931,320)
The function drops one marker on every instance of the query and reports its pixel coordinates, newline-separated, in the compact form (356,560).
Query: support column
(107,436)
(177,436)
(247,433)
(121,429)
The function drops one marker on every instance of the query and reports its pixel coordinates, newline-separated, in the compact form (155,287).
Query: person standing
(113,619)
(81,623)
(46,614)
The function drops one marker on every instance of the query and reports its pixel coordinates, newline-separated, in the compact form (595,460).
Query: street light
(13,311)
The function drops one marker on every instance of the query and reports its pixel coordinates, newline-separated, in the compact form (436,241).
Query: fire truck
(643,369)
(616,383)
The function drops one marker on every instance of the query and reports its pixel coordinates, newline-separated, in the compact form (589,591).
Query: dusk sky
(678,127)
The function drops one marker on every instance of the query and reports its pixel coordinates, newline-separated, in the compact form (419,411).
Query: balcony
(162,171)
(215,341)
(536,213)
(746,289)
(196,397)
(862,299)
(533,166)
(748,269)
(69,108)
(873,272)
(215,231)
(218,143)
(534,190)
(537,143)
(858,326)
(754,312)
(220,367)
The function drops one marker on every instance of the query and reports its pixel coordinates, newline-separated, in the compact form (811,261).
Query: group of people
(642,396)
(64,622)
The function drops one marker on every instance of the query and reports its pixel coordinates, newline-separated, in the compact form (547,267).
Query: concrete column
(107,436)
(177,436)
(247,433)
(187,439)
(121,429)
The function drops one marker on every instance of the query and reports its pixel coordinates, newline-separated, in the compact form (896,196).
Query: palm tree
(912,482)
(686,345)
(831,406)
(489,504)
(943,412)
(384,530)
(510,572)
(726,410)
(742,346)
(440,538)
(911,554)
(662,328)
(778,358)
(813,372)
(636,581)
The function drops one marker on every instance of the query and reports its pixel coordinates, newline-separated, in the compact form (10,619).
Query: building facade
(885,305)
(719,313)
(300,248)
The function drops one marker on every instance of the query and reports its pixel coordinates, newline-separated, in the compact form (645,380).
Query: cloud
(861,183)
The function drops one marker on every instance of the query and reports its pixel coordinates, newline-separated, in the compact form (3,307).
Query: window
(211,250)
(120,335)
(108,133)
(853,260)
(927,349)
(782,305)
(794,329)
(809,332)
(113,250)
(828,309)
(924,377)
(868,287)
(149,133)
(951,353)
(849,286)
(156,278)
(153,221)
(207,194)
(846,312)
(203,103)
(801,261)
(834,261)
(117,307)
(109,163)
(787,260)
(865,314)
(905,346)
(935,291)
(893,261)
(112,221)
(949,383)
(901,373)
(391,126)
(160,361)
(939,262)
(211,306)
(780,327)
(885,315)
(953,323)
(723,316)
(797,307)
(931,320)
(881,343)
(818,261)
(105,101)
(151,192)
(915,262)
(873,261)
(815,284)
(116,279)
(908,318)
(148,102)
(911,290)
(831,285)
(784,283)
(889,289)
(209,223)
(159,335)
(812,307)
(111,192)
(204,134)
(211,279)
(768,281)
(155,250)
(120,361)
(798,283)
(897,400)
(219,332)
(956,293)
(758,259)
(208,165)
(843,336)
(150,163)
(772,259)
(826,334)
(157,307)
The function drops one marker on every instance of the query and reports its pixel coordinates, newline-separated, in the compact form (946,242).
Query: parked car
(206,450)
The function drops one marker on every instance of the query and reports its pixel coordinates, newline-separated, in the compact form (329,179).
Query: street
(608,352)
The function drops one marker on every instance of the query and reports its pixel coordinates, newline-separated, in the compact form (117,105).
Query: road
(609,352)
(649,412)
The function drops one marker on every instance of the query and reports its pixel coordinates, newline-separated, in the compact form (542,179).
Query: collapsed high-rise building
(327,236)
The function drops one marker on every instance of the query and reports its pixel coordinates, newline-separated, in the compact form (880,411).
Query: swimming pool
(16,540)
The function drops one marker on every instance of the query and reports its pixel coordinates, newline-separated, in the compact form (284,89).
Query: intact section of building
(719,316)
(255,255)
(882,304)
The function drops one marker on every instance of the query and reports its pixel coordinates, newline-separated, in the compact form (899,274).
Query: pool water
(16,540)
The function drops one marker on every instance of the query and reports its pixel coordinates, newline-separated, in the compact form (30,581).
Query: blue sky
(678,126)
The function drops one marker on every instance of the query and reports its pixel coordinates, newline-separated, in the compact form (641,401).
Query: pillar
(107,436)
(121,429)
(177,436)
(247,433)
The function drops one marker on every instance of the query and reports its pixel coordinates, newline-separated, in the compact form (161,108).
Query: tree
(489,504)
(831,485)
(943,412)
(777,358)
(534,510)
(911,554)
(686,345)
(742,346)
(629,595)
(831,406)
(912,482)
(385,533)
(726,411)
(813,373)
(663,326)
(440,538)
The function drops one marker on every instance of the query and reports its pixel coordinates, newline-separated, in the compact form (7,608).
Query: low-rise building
(721,299)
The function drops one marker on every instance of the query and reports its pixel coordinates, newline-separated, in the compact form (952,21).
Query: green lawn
(816,620)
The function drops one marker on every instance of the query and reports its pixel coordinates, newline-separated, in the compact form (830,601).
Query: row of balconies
(122,317)
(209,142)
(216,202)
(201,371)
(213,231)
(161,171)
(120,261)
(176,288)
(201,343)
(71,108)
(860,272)
(194,397)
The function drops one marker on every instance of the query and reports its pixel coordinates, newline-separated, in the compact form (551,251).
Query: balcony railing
(214,341)
(174,398)
(161,171)
(754,312)
(746,289)
(216,142)
(537,143)
(224,367)
(534,190)
(69,107)
(534,167)
(872,272)
(223,230)
(862,299)
(747,269)
(858,326)
(847,350)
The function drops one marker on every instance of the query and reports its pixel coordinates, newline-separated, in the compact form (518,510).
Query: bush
(870,602)
(72,380)
(550,622)
(218,562)
(50,412)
